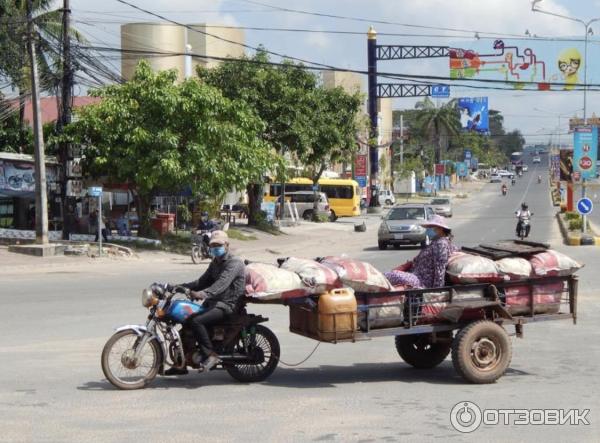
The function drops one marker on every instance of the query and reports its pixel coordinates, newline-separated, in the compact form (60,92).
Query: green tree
(155,134)
(11,137)
(14,62)
(439,123)
(281,97)
(333,126)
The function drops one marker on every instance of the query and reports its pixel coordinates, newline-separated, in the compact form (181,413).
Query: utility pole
(373,136)
(65,114)
(41,203)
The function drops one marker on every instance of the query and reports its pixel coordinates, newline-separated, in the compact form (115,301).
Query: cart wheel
(481,352)
(417,350)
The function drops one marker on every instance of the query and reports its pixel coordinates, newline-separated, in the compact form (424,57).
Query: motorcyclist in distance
(523,214)
(504,189)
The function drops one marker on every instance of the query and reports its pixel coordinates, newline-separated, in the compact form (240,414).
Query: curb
(571,239)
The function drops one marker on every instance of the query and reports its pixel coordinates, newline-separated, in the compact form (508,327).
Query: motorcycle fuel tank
(180,310)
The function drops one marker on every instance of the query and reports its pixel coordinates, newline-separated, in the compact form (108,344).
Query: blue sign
(462,170)
(474,163)
(315,188)
(468,154)
(95,191)
(584,206)
(269,209)
(474,114)
(585,151)
(440,91)
(361,180)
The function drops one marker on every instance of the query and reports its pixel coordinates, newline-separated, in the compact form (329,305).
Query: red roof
(50,108)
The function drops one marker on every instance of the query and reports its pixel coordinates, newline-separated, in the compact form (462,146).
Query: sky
(537,114)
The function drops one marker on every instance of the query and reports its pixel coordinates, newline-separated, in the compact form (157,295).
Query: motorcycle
(513,181)
(136,354)
(504,190)
(200,249)
(539,179)
(524,228)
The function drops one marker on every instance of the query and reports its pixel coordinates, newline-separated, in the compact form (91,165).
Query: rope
(298,364)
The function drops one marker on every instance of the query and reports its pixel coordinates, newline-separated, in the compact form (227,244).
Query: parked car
(305,203)
(495,178)
(442,206)
(386,197)
(537,159)
(402,226)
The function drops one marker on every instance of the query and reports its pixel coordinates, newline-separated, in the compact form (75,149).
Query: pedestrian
(94,223)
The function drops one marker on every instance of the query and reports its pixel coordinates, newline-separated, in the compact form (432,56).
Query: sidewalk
(305,240)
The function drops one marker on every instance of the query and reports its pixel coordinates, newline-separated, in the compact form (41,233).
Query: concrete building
(169,38)
(352,82)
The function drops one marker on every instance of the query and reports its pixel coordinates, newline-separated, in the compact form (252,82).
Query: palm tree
(14,64)
(438,122)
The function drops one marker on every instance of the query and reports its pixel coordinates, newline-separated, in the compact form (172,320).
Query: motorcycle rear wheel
(196,255)
(115,354)
(265,342)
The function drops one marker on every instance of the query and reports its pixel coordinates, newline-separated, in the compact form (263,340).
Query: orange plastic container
(337,315)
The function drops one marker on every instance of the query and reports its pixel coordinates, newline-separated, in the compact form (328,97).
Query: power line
(371,21)
(352,33)
(426,79)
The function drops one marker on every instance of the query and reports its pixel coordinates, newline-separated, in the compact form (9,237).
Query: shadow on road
(326,376)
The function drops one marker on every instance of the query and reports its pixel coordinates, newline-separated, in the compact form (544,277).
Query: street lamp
(588,32)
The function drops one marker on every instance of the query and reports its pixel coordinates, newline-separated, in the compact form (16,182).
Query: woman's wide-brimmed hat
(439,221)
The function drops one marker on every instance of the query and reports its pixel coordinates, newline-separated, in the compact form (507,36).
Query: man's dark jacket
(223,282)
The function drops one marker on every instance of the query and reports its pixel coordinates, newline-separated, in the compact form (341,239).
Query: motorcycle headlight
(148,298)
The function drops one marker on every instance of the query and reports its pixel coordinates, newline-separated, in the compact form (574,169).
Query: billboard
(474,114)
(537,65)
(566,165)
(462,170)
(585,151)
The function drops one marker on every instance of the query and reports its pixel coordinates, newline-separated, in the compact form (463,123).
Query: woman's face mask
(217,251)
(432,233)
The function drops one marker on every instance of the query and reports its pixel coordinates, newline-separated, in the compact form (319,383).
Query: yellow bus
(343,194)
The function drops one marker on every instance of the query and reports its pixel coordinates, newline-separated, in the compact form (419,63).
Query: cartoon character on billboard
(569,62)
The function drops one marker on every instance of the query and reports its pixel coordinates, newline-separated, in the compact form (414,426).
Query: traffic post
(96,191)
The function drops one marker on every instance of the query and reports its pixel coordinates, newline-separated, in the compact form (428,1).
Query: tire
(118,381)
(388,202)
(418,351)
(397,246)
(332,217)
(481,352)
(382,245)
(308,215)
(252,373)
(196,255)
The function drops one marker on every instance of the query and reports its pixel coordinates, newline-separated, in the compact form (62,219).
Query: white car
(495,178)
(525,168)
(386,197)
(503,173)
(537,160)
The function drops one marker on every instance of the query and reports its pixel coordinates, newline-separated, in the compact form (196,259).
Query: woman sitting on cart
(428,268)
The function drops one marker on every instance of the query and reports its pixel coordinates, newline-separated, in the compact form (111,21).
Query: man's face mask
(217,251)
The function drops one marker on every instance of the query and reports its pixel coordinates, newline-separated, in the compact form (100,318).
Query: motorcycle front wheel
(263,347)
(122,369)
(196,255)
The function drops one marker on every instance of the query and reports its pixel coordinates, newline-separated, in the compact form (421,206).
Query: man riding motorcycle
(221,288)
(504,189)
(523,214)
(539,178)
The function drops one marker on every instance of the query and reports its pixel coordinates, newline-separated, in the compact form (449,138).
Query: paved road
(55,324)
